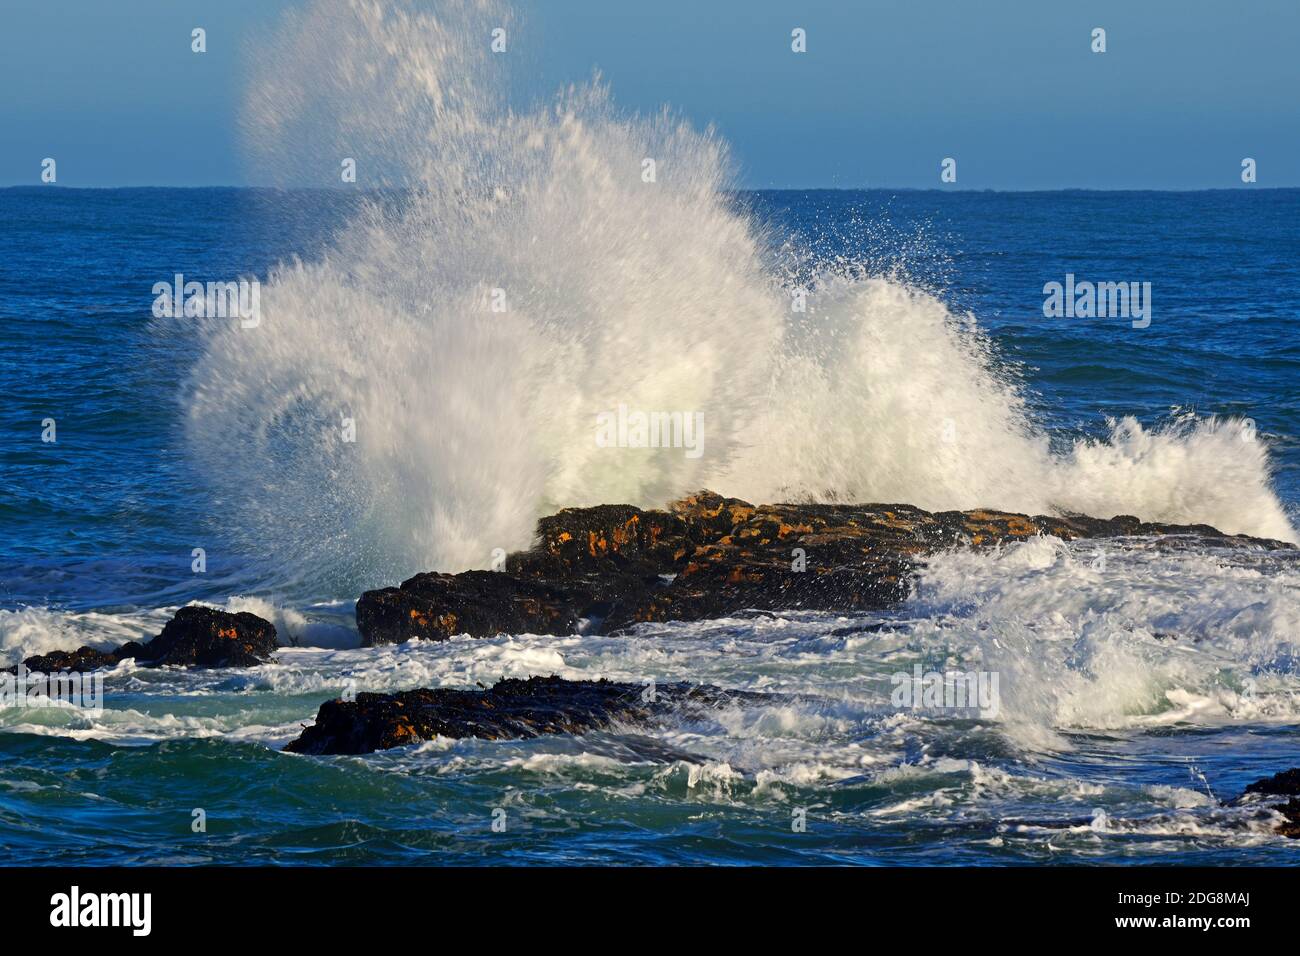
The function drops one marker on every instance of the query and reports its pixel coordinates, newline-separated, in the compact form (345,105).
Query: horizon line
(1244,187)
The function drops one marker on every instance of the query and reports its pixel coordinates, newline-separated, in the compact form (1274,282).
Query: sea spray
(467,421)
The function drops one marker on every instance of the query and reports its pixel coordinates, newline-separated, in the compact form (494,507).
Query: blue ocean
(1140,691)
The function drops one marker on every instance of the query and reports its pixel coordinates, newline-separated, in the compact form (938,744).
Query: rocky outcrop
(511,709)
(205,637)
(81,660)
(195,637)
(1284,784)
(477,602)
(708,556)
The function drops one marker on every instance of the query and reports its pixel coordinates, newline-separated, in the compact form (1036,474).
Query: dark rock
(607,539)
(1284,784)
(709,556)
(479,603)
(1290,825)
(720,588)
(194,637)
(511,709)
(205,637)
(82,659)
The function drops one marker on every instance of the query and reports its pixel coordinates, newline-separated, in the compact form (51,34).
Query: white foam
(37,630)
(1146,637)
(294,627)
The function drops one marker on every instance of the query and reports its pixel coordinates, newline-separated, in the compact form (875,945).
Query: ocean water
(1140,685)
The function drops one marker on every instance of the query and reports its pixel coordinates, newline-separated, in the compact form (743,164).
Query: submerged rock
(195,637)
(709,556)
(511,709)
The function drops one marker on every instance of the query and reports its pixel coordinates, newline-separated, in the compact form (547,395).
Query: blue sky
(887,89)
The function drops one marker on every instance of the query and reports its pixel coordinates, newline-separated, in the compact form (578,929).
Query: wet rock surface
(195,637)
(511,709)
(436,606)
(709,556)
(82,659)
(1284,784)
(206,637)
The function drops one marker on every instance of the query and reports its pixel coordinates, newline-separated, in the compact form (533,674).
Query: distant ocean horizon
(346,189)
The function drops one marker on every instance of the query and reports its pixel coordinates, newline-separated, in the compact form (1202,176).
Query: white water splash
(664,295)
(1147,637)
